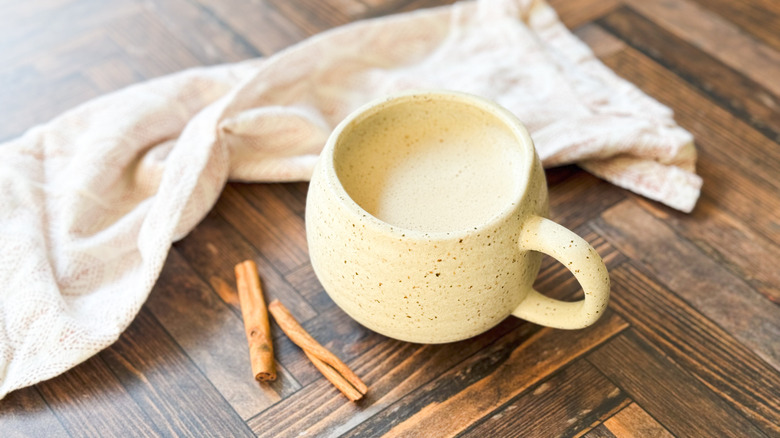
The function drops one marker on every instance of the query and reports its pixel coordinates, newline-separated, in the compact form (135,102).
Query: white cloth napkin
(91,201)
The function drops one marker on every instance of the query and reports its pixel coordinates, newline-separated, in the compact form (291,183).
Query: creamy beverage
(425,222)
(431,165)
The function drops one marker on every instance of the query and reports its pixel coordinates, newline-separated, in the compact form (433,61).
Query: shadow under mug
(425,221)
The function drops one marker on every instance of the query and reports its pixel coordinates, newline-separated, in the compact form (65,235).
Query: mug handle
(543,235)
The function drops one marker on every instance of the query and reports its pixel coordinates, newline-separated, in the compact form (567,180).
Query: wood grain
(23,413)
(714,35)
(489,379)
(632,422)
(262,26)
(563,405)
(731,89)
(143,360)
(760,18)
(266,223)
(749,163)
(729,241)
(576,13)
(702,347)
(212,335)
(713,291)
(580,198)
(90,401)
(600,431)
(667,391)
(215,247)
(392,369)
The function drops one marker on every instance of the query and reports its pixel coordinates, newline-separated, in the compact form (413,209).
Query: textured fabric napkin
(91,201)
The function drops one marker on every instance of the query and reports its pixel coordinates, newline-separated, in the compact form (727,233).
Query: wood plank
(212,336)
(292,194)
(32,32)
(266,223)
(210,39)
(739,94)
(488,379)
(711,290)
(144,359)
(70,56)
(315,17)
(581,197)
(395,7)
(305,281)
(112,74)
(760,18)
(262,25)
(729,242)
(599,431)
(385,4)
(38,101)
(214,248)
(149,47)
(738,164)
(716,36)
(685,406)
(565,404)
(725,143)
(575,13)
(90,401)
(727,236)
(633,421)
(700,346)
(601,42)
(391,369)
(23,413)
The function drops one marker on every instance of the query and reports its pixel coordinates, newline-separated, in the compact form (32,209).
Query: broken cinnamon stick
(256,322)
(329,365)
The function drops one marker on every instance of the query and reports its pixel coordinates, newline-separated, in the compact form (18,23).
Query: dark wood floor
(689,347)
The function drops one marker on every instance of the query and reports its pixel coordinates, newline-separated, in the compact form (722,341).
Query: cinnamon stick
(329,365)
(335,378)
(256,322)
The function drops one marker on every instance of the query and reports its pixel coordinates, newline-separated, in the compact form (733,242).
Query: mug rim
(356,116)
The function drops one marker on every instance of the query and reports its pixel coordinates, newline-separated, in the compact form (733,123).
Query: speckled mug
(435,287)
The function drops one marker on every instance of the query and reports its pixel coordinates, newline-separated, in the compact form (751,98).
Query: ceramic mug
(425,221)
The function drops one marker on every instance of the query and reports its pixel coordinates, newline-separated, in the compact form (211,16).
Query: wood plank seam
(256,255)
(184,354)
(716,378)
(54,412)
(728,105)
(529,339)
(389,7)
(361,371)
(239,38)
(736,279)
(282,371)
(611,380)
(658,355)
(535,387)
(66,425)
(754,200)
(766,22)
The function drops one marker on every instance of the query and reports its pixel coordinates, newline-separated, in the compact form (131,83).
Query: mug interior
(434,162)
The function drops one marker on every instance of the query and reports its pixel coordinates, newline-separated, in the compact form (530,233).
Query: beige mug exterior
(446,286)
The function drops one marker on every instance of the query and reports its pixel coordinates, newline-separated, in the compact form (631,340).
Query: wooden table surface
(690,345)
